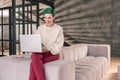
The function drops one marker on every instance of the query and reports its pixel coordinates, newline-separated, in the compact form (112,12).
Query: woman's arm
(55,48)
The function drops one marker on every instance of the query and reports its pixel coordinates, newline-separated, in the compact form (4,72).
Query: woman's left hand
(44,49)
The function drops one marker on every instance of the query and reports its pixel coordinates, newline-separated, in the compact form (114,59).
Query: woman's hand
(44,49)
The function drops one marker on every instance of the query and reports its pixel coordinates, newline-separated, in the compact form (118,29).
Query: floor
(111,74)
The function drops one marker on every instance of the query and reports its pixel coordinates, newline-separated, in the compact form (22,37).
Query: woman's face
(49,19)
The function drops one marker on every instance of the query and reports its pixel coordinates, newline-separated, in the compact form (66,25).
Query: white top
(52,37)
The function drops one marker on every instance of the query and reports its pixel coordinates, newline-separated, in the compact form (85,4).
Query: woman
(52,39)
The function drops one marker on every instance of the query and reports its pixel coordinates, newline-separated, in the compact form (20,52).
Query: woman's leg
(37,68)
(47,57)
(32,73)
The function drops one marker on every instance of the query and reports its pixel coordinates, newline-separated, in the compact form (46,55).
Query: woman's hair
(49,10)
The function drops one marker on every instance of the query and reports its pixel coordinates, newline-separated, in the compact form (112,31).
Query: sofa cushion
(90,68)
(60,70)
(14,67)
(74,52)
(17,68)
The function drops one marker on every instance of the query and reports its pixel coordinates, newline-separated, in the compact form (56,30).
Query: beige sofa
(118,70)
(91,60)
(77,62)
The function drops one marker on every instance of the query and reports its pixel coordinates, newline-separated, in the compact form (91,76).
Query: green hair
(49,10)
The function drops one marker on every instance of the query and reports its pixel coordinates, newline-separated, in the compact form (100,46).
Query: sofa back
(99,50)
(74,52)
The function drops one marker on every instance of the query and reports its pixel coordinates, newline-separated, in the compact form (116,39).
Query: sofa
(118,72)
(91,60)
(77,62)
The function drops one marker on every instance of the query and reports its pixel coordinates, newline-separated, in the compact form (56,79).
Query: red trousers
(37,64)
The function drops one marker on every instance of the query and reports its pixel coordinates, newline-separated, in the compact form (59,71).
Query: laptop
(30,43)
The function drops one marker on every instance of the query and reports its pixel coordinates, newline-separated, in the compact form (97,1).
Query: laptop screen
(30,43)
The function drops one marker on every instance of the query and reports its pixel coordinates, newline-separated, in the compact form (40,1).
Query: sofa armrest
(99,50)
(60,70)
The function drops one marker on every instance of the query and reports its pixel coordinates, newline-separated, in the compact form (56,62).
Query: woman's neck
(50,25)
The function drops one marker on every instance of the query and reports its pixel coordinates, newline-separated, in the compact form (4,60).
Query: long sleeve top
(52,37)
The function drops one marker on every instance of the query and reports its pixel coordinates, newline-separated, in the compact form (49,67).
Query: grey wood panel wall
(91,21)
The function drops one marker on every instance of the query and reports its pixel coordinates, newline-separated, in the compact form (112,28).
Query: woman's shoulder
(41,26)
(58,26)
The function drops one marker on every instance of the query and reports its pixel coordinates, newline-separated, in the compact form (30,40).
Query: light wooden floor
(111,74)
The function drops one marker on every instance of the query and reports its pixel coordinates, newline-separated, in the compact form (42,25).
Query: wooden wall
(91,21)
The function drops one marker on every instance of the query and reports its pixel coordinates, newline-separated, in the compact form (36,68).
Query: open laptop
(30,43)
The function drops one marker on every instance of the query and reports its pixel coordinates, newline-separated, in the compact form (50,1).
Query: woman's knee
(36,56)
